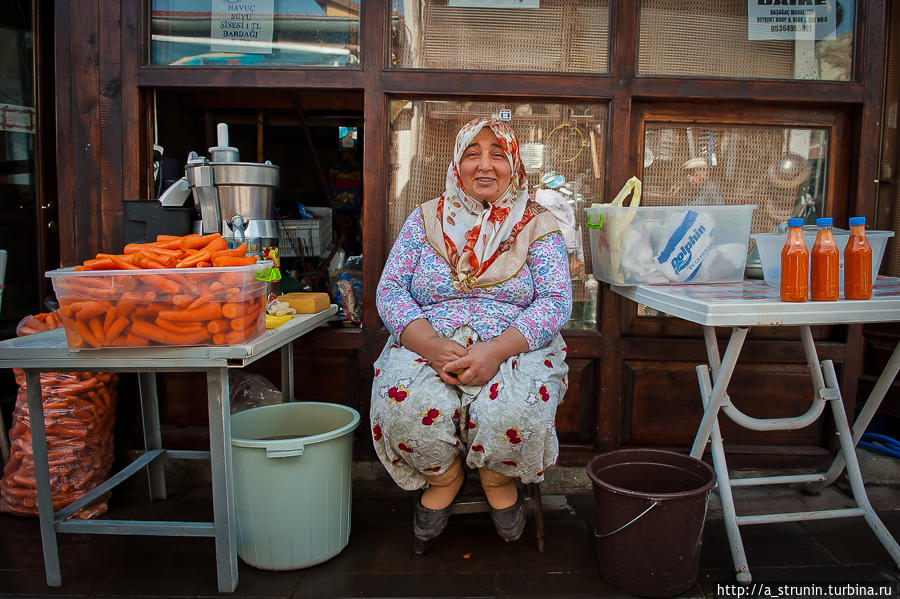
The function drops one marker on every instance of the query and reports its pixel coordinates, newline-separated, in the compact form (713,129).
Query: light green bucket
(292,475)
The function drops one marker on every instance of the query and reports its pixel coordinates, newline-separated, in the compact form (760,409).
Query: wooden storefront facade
(632,377)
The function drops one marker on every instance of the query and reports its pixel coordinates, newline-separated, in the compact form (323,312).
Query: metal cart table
(752,303)
(48,352)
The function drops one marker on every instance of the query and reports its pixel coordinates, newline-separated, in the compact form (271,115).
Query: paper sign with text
(791,19)
(245,27)
(494,3)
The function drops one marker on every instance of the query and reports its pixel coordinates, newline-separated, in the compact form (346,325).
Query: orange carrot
(242,322)
(219,338)
(178,327)
(220,261)
(155,333)
(74,338)
(100,264)
(195,242)
(86,333)
(163,283)
(117,328)
(209,311)
(150,311)
(239,252)
(133,248)
(89,308)
(96,326)
(135,340)
(110,318)
(205,254)
(218,326)
(169,242)
(120,263)
(200,301)
(235,337)
(144,260)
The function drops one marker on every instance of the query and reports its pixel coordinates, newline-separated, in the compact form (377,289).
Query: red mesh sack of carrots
(79,414)
(176,291)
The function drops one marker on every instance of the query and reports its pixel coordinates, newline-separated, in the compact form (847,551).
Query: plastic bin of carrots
(161,306)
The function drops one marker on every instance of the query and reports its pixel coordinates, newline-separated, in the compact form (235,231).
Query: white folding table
(742,306)
(48,352)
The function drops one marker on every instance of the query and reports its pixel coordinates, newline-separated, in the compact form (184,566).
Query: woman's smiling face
(483,167)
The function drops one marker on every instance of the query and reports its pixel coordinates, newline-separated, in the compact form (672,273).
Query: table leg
(222,481)
(722,377)
(152,438)
(287,372)
(848,448)
(42,478)
(865,416)
(723,483)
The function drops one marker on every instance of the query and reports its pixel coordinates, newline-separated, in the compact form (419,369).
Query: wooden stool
(467,502)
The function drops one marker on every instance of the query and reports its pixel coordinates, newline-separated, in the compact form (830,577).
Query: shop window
(501,35)
(24,217)
(562,148)
(253,34)
(314,137)
(782,170)
(722,38)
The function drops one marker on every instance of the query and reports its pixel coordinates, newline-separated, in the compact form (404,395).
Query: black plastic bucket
(650,506)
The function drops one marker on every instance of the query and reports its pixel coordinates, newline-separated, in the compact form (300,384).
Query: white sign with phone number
(791,19)
(244,26)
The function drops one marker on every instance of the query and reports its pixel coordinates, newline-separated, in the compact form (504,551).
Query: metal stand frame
(47,352)
(715,399)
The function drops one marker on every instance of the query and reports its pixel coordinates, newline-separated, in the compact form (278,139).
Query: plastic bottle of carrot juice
(794,264)
(825,264)
(858,262)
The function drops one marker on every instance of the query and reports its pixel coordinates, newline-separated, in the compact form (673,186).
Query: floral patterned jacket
(417,282)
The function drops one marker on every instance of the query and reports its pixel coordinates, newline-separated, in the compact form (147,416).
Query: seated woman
(474,293)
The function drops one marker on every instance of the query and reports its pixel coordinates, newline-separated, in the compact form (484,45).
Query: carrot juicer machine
(236,199)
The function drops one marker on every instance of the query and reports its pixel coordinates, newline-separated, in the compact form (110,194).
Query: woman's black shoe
(427,524)
(510,521)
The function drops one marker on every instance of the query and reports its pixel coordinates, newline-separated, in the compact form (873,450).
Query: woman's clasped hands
(478,366)
(458,365)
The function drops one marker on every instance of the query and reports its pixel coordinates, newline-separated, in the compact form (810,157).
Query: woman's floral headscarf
(473,232)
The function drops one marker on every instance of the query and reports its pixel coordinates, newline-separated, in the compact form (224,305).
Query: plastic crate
(310,237)
(661,245)
(133,308)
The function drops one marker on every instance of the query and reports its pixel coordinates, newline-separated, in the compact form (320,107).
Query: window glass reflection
(721,38)
(259,33)
(562,149)
(782,170)
(501,35)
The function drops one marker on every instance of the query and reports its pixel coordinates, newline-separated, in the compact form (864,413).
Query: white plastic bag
(618,223)
(688,242)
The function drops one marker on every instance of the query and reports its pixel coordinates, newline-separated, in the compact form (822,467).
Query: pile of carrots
(138,305)
(79,415)
(172,251)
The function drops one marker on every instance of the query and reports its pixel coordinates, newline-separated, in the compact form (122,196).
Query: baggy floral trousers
(420,424)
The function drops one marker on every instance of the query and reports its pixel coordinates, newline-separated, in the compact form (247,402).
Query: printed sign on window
(242,26)
(797,19)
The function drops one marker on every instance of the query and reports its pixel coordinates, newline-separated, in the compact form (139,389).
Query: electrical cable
(881,443)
